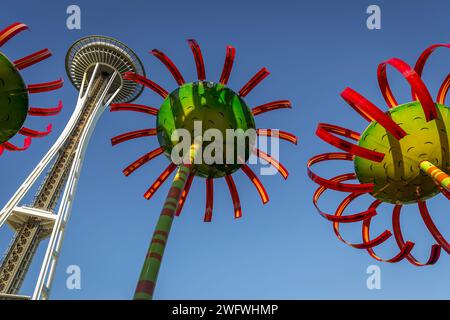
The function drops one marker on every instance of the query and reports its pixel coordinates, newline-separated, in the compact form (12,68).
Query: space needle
(95,66)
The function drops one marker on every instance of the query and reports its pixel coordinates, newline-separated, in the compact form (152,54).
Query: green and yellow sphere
(398,178)
(13,99)
(217,107)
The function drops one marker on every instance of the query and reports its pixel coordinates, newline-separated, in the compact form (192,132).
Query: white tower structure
(94,65)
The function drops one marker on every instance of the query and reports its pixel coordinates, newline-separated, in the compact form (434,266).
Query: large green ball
(217,107)
(13,100)
(398,178)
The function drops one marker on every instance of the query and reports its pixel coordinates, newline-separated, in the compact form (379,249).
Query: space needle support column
(33,230)
(150,269)
(98,103)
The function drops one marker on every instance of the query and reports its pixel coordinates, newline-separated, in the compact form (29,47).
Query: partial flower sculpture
(14,95)
(401,158)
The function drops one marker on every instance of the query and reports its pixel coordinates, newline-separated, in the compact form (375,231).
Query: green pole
(439,176)
(149,274)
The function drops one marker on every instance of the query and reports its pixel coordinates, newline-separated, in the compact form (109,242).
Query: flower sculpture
(14,95)
(401,158)
(218,108)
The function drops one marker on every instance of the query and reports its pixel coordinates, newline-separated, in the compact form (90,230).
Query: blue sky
(283,250)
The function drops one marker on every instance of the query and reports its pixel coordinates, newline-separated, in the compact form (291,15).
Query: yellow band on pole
(436,174)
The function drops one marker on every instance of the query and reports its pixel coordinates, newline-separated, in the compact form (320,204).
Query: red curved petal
(435,249)
(228,65)
(234,197)
(169,65)
(11,147)
(257,183)
(146,82)
(253,82)
(34,133)
(277,134)
(32,59)
(371,113)
(11,31)
(443,90)
(420,64)
(133,107)
(45,112)
(276,164)
(402,254)
(198,57)
(281,104)
(133,135)
(366,244)
(209,199)
(414,80)
(432,227)
(142,160)
(360,216)
(327,132)
(2,148)
(45,86)
(336,185)
(159,181)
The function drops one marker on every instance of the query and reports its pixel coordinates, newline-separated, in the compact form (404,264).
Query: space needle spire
(95,66)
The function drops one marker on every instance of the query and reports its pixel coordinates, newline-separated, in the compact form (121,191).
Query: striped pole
(150,269)
(436,174)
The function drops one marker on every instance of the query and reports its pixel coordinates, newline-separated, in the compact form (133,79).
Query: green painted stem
(152,263)
(150,270)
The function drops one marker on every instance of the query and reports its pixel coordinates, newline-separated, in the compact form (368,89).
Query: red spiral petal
(435,249)
(414,80)
(327,132)
(336,185)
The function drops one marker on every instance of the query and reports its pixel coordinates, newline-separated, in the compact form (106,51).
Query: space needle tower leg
(94,65)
